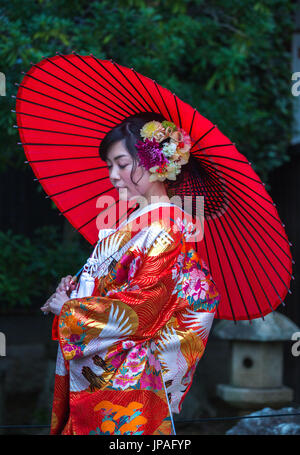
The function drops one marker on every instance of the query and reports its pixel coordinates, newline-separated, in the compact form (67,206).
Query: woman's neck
(157,192)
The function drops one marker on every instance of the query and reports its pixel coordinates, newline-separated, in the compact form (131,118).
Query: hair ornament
(163,150)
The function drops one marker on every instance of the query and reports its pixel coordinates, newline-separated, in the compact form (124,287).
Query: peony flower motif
(128,344)
(154,362)
(137,353)
(134,266)
(118,359)
(188,229)
(123,267)
(126,259)
(180,260)
(124,381)
(152,381)
(175,272)
(135,366)
(121,275)
(180,157)
(71,351)
(74,338)
(196,286)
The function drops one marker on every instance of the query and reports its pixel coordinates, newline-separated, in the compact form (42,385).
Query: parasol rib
(197,184)
(179,118)
(221,270)
(154,102)
(77,88)
(72,172)
(64,102)
(212,170)
(93,88)
(61,159)
(116,66)
(68,94)
(79,186)
(231,201)
(125,88)
(170,116)
(55,109)
(192,123)
(61,132)
(61,121)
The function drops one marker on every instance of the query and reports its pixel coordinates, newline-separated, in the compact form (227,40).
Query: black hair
(128,131)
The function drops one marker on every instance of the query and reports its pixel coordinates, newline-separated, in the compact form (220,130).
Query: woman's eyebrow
(116,157)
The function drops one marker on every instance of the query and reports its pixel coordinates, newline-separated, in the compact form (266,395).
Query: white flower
(169,149)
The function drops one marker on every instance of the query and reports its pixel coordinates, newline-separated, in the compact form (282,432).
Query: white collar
(146,209)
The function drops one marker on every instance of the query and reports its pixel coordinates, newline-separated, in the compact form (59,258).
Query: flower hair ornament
(164,149)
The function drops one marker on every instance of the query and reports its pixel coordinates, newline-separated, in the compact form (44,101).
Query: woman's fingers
(64,283)
(67,283)
(62,289)
(72,286)
(50,298)
(45,308)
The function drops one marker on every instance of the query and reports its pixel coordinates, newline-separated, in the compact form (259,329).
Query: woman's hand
(55,303)
(66,285)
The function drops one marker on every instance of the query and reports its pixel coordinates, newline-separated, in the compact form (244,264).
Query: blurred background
(236,62)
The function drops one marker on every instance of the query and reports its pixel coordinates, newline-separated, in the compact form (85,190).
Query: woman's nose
(114,175)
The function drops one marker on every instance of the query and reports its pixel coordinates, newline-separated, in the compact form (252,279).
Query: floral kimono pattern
(128,351)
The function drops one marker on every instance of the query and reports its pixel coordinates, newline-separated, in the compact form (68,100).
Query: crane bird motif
(200,322)
(174,365)
(116,329)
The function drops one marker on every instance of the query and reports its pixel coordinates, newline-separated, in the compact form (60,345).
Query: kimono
(131,335)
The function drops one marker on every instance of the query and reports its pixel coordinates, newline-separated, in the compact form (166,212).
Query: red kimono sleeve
(137,305)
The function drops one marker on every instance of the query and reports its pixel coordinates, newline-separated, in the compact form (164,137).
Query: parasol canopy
(66,104)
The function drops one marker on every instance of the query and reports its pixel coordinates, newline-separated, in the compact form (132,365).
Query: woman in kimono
(132,332)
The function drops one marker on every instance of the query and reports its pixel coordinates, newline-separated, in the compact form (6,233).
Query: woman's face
(120,164)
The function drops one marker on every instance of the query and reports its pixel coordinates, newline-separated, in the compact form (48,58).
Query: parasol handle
(74,279)
(76,276)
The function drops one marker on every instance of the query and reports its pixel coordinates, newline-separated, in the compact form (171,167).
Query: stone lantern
(256,364)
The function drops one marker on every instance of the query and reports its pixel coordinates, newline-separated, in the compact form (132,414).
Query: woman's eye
(122,167)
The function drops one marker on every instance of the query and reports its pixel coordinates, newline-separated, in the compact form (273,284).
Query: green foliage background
(230,59)
(30,268)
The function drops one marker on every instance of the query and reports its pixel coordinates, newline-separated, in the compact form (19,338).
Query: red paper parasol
(67,103)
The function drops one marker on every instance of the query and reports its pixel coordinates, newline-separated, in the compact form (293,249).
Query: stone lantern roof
(274,327)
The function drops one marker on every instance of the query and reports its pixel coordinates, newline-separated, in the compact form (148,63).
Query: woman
(133,331)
